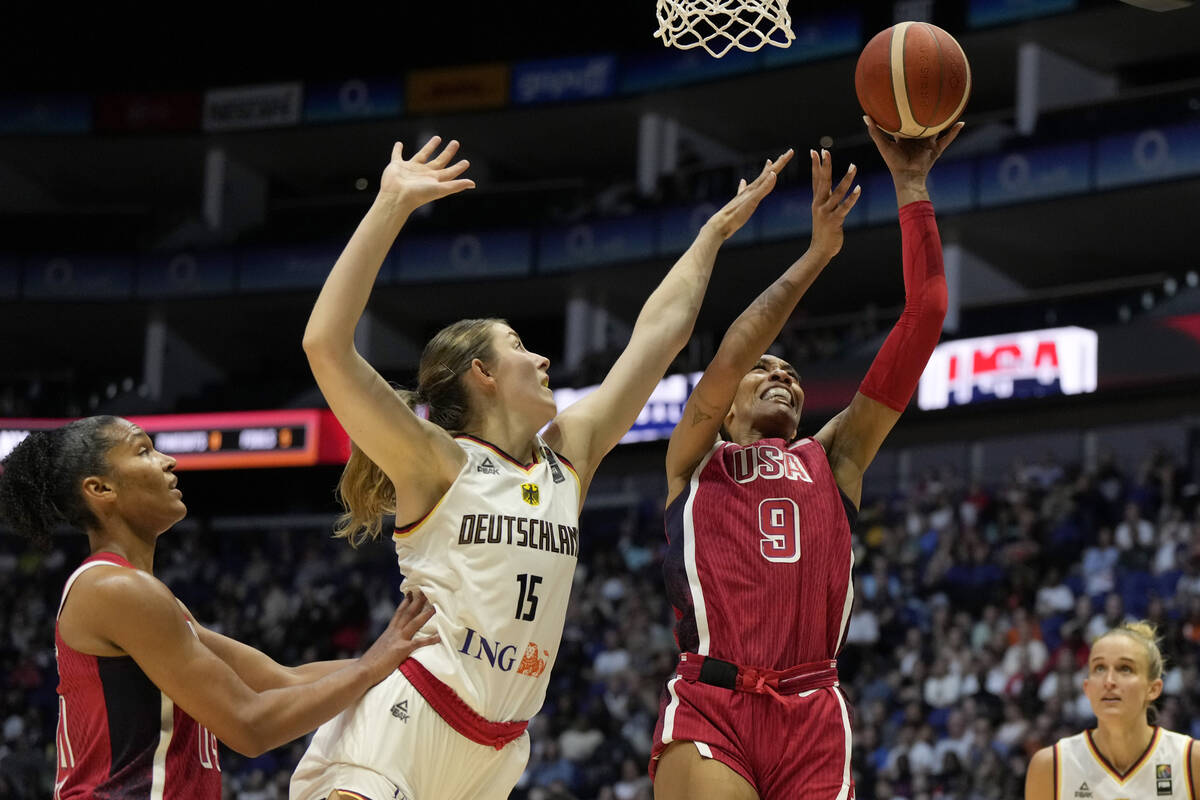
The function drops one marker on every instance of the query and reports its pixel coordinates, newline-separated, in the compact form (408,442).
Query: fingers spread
(947,137)
(428,149)
(849,201)
(782,161)
(443,158)
(450,187)
(843,186)
(454,170)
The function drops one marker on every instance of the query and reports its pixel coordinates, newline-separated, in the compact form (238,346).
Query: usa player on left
(145,692)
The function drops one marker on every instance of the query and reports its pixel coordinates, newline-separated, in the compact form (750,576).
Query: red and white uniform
(758,570)
(118,735)
(495,556)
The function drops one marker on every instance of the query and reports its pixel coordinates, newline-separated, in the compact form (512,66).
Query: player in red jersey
(144,691)
(759,562)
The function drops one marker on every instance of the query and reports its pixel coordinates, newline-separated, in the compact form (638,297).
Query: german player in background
(759,523)
(144,690)
(489,509)
(1126,755)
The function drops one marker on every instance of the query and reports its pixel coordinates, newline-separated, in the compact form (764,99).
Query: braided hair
(40,479)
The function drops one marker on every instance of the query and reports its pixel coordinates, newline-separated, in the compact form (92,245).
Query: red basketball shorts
(786,746)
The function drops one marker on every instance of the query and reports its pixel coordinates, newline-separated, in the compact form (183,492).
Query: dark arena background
(174,190)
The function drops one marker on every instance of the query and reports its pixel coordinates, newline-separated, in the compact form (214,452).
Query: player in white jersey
(492,508)
(1125,757)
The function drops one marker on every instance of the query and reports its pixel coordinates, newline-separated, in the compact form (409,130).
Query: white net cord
(721,25)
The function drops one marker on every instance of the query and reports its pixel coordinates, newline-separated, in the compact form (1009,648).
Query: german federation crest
(530,494)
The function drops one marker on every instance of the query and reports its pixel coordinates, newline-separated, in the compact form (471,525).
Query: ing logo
(530,493)
(531,663)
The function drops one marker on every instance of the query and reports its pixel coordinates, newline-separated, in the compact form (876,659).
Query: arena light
(1028,364)
(662,411)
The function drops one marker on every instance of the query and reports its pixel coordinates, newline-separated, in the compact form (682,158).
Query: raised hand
(733,216)
(830,204)
(425,177)
(910,159)
(396,643)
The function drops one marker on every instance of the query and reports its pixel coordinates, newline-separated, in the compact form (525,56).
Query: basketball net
(721,25)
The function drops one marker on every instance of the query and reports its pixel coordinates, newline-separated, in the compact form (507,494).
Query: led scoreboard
(232,440)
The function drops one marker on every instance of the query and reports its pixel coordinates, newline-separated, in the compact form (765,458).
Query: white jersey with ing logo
(1081,772)
(496,557)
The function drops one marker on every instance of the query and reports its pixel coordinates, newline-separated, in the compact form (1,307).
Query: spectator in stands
(1099,565)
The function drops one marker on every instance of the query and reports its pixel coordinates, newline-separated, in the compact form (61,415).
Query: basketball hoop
(721,25)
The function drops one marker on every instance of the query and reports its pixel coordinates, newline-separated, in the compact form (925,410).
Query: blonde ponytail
(366,493)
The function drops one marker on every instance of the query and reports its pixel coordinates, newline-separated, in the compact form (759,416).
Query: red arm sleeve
(897,369)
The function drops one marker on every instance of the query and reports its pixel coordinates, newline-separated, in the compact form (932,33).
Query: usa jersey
(496,557)
(118,735)
(1081,772)
(758,567)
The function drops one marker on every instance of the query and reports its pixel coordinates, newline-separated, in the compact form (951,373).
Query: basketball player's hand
(733,216)
(830,204)
(396,643)
(427,176)
(909,160)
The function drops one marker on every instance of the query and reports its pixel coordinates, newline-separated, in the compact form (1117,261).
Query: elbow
(246,740)
(937,301)
(314,342)
(321,348)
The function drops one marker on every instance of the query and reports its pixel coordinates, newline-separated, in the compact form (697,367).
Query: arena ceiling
(1143,231)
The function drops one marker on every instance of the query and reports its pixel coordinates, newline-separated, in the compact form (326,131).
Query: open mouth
(778,394)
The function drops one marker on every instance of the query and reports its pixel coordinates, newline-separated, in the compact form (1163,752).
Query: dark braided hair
(40,478)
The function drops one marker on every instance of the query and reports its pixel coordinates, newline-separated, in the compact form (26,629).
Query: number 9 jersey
(758,567)
(496,557)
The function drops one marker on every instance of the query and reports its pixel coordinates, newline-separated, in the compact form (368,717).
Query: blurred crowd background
(172,195)
(975,603)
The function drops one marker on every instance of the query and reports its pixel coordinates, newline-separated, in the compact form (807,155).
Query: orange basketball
(913,79)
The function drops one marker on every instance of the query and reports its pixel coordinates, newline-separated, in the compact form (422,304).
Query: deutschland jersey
(759,559)
(118,735)
(1081,772)
(496,557)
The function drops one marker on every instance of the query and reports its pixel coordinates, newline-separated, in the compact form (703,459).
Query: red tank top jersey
(119,736)
(758,567)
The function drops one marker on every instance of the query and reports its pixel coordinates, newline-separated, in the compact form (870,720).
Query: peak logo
(1015,365)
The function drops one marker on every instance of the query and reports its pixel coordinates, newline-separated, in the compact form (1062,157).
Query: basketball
(913,79)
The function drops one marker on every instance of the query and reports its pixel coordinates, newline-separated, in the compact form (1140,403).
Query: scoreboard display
(231,440)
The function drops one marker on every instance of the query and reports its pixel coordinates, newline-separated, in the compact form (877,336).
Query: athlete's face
(139,489)
(767,404)
(1118,682)
(522,378)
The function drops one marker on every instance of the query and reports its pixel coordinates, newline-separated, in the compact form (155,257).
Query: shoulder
(1040,779)
(116,591)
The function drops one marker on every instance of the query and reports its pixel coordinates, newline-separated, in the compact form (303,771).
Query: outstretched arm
(853,437)
(754,330)
(259,671)
(133,612)
(419,457)
(587,430)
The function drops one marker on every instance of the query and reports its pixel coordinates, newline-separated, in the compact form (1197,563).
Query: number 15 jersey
(496,557)
(759,559)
